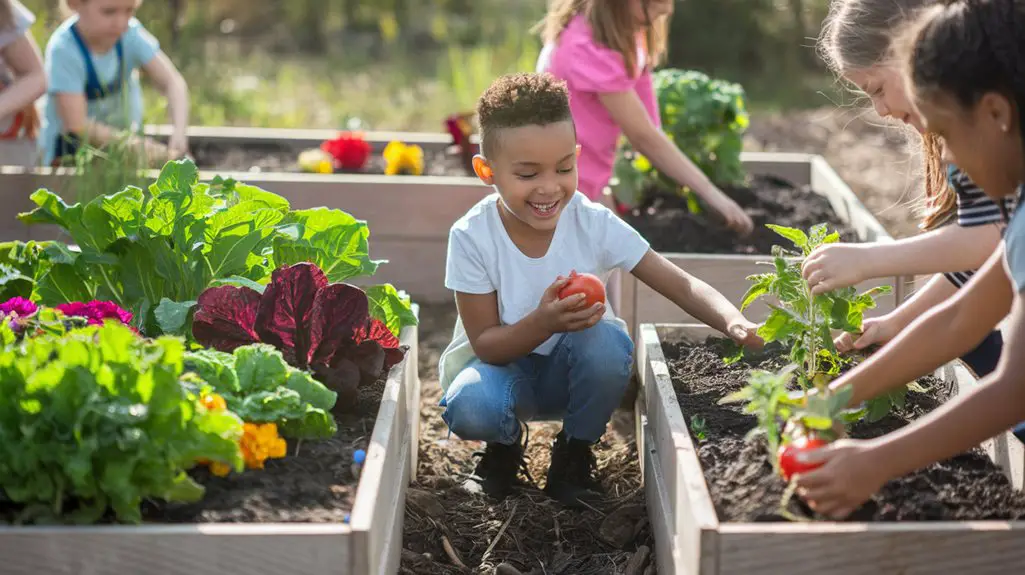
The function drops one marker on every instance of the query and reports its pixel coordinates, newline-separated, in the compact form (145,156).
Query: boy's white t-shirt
(482,258)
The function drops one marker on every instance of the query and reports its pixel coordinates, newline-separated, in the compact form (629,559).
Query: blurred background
(406,64)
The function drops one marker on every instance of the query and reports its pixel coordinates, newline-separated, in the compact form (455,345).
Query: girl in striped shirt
(856,42)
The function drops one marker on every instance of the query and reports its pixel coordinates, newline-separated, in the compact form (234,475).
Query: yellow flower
(220,469)
(261,442)
(401,158)
(214,402)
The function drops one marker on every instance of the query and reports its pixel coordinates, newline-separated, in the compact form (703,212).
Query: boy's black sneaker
(570,476)
(498,468)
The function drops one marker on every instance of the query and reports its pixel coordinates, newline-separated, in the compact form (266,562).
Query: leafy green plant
(97,419)
(260,387)
(699,427)
(791,424)
(154,252)
(802,320)
(706,118)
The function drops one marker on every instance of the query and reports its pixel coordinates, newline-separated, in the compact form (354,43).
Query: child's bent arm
(73,112)
(493,342)
(170,82)
(628,112)
(936,291)
(23,58)
(941,335)
(952,248)
(965,422)
(693,295)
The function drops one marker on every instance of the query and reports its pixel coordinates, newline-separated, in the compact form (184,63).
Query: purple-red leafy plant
(318,326)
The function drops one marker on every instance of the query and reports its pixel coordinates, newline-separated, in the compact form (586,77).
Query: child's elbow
(39,84)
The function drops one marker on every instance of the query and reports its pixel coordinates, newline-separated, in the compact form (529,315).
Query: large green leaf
(391,307)
(335,241)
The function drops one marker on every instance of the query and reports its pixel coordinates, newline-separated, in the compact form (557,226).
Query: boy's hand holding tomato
(572,303)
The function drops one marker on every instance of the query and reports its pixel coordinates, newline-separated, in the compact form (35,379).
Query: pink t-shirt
(590,69)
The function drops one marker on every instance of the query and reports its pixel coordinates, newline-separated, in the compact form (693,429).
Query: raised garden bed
(796,190)
(411,215)
(287,518)
(716,496)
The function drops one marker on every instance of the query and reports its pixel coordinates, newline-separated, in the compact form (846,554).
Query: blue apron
(67,144)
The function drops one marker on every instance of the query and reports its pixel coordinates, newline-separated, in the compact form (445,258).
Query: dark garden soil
(312,483)
(744,487)
(667,223)
(527,533)
(281,157)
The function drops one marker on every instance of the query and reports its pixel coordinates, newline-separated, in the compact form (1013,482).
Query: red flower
(349,150)
(96,311)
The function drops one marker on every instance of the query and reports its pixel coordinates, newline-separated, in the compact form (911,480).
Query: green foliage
(97,419)
(261,387)
(803,321)
(706,118)
(154,252)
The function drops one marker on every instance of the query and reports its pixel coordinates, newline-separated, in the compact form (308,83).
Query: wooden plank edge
(656,498)
(695,510)
(375,467)
(413,384)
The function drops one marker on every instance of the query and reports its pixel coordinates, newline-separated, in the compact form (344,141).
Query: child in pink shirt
(611,92)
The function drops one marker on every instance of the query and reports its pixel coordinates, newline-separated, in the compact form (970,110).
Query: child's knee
(605,350)
(478,405)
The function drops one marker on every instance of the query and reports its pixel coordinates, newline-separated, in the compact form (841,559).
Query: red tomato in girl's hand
(788,463)
(587,284)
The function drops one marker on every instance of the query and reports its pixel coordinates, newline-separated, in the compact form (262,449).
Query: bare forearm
(669,160)
(22,93)
(959,425)
(502,344)
(936,291)
(178,105)
(939,336)
(948,249)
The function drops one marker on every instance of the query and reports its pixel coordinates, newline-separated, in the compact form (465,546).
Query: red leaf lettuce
(321,327)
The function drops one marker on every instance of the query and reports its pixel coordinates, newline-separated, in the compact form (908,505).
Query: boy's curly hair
(517,100)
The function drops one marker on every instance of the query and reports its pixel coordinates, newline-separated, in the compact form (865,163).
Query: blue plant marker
(346,518)
(358,457)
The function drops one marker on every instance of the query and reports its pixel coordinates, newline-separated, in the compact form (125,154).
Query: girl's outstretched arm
(943,334)
(628,112)
(880,330)
(170,82)
(853,471)
(952,248)
(23,58)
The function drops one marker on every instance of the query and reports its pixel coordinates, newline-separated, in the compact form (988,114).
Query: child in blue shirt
(520,352)
(92,63)
(964,61)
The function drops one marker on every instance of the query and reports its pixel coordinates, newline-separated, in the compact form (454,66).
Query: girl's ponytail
(940,202)
(560,12)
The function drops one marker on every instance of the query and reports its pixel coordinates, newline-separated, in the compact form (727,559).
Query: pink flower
(18,306)
(96,311)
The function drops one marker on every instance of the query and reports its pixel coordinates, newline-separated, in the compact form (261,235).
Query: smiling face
(534,169)
(984,139)
(885,86)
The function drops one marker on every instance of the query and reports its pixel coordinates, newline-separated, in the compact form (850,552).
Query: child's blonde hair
(613,26)
(859,34)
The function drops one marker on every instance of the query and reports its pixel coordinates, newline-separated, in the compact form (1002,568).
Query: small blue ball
(346,518)
(359,456)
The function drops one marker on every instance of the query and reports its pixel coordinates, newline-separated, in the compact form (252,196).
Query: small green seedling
(699,427)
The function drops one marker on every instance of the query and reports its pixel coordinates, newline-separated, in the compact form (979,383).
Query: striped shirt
(974,208)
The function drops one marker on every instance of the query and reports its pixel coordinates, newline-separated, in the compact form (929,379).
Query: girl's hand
(745,333)
(735,216)
(568,314)
(877,330)
(835,266)
(850,474)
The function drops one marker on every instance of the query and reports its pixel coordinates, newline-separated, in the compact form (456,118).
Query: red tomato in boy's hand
(587,284)
(788,463)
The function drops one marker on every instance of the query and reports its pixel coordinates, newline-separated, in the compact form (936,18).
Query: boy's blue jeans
(581,382)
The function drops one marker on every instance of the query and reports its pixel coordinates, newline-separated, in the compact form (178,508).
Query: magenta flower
(18,306)
(96,311)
